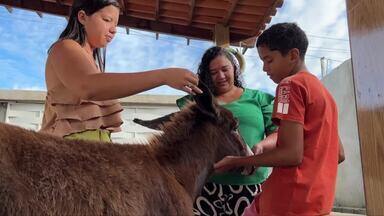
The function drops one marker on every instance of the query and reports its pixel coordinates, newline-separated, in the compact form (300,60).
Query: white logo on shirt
(283,99)
(282,108)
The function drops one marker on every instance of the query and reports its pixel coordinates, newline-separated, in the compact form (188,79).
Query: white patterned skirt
(220,199)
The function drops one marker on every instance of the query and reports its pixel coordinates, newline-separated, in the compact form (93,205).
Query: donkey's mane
(178,130)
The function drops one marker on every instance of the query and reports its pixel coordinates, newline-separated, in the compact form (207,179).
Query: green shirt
(253,110)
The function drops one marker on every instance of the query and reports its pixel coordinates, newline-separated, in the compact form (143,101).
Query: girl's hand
(182,79)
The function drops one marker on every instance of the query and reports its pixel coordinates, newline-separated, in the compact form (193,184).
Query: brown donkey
(45,175)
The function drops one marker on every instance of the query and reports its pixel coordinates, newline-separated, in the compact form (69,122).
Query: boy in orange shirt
(308,147)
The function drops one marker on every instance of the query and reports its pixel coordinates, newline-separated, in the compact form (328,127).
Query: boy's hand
(226,164)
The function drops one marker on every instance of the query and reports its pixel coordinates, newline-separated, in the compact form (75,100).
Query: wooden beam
(178,1)
(191,11)
(207,19)
(128,21)
(140,8)
(221,35)
(230,12)
(153,26)
(174,14)
(251,10)
(175,7)
(203,26)
(267,14)
(122,6)
(214,4)
(261,3)
(244,25)
(247,15)
(250,18)
(60,2)
(126,4)
(39,13)
(40,6)
(366,33)
(172,20)
(141,15)
(210,12)
(142,2)
(174,29)
(279,3)
(242,31)
(248,43)
(157,10)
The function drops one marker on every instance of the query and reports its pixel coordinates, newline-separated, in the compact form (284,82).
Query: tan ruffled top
(66,113)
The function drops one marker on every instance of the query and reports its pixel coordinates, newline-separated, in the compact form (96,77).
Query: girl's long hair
(75,30)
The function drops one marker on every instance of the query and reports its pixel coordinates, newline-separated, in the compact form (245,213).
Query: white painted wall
(349,189)
(29,113)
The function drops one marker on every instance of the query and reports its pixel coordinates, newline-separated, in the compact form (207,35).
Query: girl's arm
(79,73)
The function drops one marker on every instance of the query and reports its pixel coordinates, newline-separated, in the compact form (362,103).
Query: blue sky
(25,38)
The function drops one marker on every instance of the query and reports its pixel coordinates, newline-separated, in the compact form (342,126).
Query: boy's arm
(341,152)
(289,151)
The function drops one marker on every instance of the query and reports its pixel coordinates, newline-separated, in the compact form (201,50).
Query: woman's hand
(239,163)
(182,79)
(257,149)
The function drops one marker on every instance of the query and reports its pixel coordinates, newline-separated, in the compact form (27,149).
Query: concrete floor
(344,214)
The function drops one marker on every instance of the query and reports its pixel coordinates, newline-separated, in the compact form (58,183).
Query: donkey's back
(45,175)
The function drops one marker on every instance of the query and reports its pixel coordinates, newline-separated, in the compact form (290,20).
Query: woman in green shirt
(230,193)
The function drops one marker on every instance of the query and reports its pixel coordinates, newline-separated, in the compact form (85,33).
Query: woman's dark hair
(204,73)
(75,30)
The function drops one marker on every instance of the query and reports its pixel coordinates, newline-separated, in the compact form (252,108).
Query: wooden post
(366,30)
(221,35)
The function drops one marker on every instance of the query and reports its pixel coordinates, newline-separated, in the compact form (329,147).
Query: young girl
(81,98)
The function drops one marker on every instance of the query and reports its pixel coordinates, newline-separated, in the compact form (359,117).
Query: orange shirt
(307,189)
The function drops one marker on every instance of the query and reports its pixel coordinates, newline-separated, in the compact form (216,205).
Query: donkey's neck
(193,172)
(190,161)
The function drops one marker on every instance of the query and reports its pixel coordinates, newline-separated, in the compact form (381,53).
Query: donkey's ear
(154,123)
(206,101)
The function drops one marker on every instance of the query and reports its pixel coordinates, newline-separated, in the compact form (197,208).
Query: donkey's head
(210,125)
(220,123)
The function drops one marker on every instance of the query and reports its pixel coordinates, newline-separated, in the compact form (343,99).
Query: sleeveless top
(66,113)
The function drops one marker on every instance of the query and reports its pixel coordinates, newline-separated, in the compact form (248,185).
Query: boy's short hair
(283,37)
